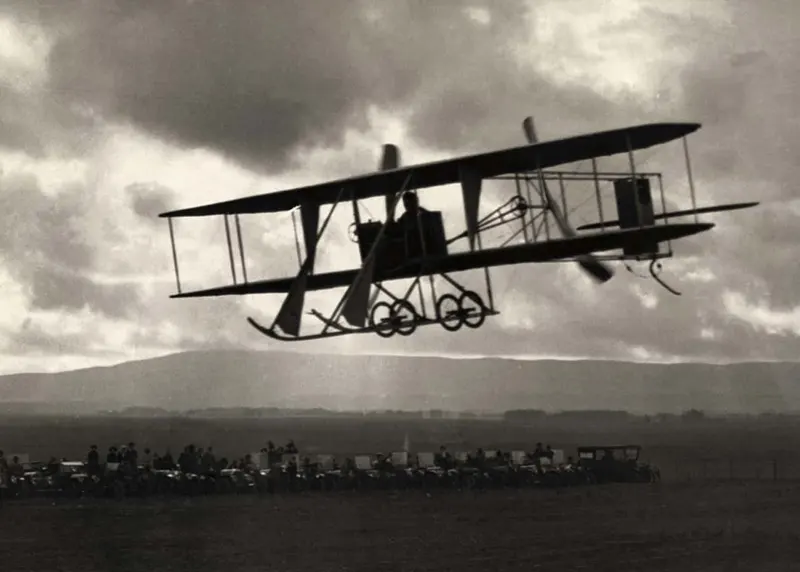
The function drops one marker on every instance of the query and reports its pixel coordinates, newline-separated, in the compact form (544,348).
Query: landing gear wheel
(448,313)
(472,309)
(380,318)
(404,318)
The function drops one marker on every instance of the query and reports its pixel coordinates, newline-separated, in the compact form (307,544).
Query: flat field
(678,527)
(731,515)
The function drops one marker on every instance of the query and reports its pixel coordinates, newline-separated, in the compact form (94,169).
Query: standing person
(93,461)
(132,456)
(4,477)
(209,461)
(147,459)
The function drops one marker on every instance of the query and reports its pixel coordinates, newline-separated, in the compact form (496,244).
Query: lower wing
(546,251)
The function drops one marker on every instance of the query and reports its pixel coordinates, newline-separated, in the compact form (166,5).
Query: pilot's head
(410,202)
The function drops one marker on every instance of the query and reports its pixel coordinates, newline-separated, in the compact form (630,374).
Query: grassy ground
(707,524)
(726,526)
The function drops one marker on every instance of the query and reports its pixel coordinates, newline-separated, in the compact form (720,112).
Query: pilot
(409,224)
(412,209)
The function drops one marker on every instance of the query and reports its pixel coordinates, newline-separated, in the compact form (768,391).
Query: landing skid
(655,269)
(275,335)
(451,320)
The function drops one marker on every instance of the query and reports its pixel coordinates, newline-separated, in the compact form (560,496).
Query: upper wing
(544,251)
(490,164)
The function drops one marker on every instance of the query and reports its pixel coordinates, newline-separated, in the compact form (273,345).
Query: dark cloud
(259,82)
(148,200)
(53,289)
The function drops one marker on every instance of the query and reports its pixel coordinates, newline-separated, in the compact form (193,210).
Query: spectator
(93,461)
(15,468)
(132,455)
(147,459)
(184,460)
(209,462)
(4,476)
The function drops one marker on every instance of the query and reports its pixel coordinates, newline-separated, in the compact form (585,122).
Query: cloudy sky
(113,111)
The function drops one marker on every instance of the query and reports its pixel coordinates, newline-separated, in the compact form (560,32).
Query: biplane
(414,246)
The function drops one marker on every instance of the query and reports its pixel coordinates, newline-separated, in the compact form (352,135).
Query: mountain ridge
(245,378)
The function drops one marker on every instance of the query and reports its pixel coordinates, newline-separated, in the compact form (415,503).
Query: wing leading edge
(518,254)
(491,164)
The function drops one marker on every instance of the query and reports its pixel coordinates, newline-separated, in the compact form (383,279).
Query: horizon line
(447,356)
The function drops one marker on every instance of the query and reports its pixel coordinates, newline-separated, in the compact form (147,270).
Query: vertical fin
(290,315)
(291,311)
(309,216)
(471,183)
(357,305)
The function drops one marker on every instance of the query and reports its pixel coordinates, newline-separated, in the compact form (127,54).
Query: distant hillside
(283,379)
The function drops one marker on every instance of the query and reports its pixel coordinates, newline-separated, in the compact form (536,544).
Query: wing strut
(230,248)
(174,254)
(241,247)
(597,189)
(691,180)
(290,314)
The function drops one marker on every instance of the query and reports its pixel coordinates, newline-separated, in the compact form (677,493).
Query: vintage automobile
(616,464)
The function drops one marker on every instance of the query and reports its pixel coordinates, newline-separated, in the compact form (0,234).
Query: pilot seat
(403,243)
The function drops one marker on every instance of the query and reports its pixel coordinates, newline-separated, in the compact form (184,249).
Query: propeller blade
(594,267)
(390,159)
(530,130)
(590,264)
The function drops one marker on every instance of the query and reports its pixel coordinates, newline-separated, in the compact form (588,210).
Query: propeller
(390,159)
(595,268)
